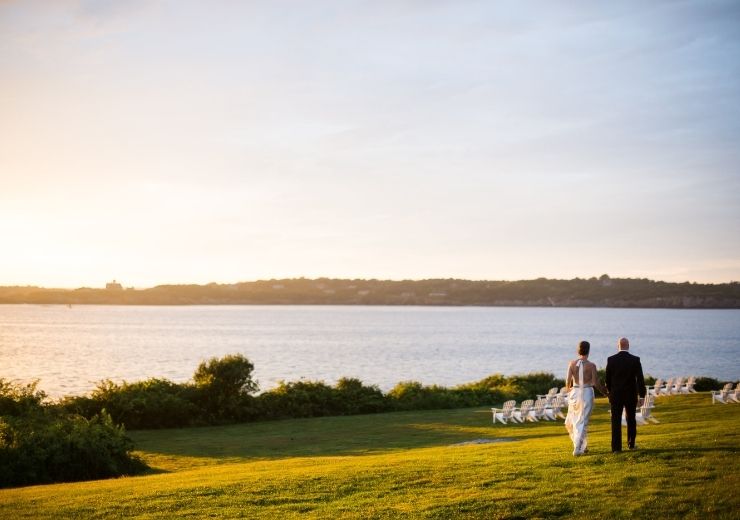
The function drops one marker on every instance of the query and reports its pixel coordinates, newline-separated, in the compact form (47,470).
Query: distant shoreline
(603,292)
(452,306)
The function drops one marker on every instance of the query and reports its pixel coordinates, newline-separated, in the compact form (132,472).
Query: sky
(162,142)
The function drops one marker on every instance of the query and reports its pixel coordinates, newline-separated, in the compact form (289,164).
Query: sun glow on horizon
(161,142)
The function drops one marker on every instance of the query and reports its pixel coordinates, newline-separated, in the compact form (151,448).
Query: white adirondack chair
(555,409)
(677,386)
(688,388)
(721,395)
(734,395)
(524,413)
(503,415)
(668,388)
(549,396)
(564,394)
(539,410)
(644,413)
(656,388)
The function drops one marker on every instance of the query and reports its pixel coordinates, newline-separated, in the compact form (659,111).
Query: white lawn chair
(564,394)
(734,395)
(643,415)
(503,415)
(555,409)
(722,395)
(677,386)
(688,388)
(668,388)
(539,410)
(524,413)
(549,396)
(656,388)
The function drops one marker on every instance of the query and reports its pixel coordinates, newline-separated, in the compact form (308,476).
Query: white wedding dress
(580,404)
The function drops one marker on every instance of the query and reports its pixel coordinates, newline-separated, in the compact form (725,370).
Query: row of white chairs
(547,407)
(550,407)
(672,386)
(727,394)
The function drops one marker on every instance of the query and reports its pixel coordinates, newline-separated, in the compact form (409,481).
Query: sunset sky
(190,142)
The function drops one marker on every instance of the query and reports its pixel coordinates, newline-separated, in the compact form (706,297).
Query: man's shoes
(616,451)
(633,447)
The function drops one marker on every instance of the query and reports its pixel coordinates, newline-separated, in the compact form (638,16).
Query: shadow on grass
(333,436)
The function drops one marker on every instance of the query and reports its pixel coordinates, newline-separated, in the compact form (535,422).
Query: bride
(580,383)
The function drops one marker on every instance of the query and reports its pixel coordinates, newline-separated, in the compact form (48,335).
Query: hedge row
(223,391)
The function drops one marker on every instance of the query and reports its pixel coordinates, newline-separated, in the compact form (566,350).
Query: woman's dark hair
(583,348)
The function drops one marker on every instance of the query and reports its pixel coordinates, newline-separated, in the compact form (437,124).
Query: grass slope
(406,465)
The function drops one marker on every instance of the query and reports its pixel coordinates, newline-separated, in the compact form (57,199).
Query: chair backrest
(728,386)
(669,385)
(526,407)
(647,406)
(508,408)
(678,383)
(553,391)
(559,402)
(539,407)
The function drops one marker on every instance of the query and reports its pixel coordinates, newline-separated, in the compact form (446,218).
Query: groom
(624,381)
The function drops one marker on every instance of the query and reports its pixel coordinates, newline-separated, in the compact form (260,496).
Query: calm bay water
(69,349)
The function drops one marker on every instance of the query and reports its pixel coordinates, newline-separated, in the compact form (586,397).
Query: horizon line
(71,288)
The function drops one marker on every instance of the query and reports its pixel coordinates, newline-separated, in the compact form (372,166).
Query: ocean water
(70,349)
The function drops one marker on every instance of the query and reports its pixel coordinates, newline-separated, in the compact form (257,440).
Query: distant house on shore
(114,286)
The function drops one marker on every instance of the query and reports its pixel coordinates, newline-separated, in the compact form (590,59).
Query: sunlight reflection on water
(70,349)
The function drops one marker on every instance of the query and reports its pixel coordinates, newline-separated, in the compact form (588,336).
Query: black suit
(624,381)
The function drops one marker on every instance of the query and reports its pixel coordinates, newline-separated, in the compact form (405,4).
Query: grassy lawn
(407,465)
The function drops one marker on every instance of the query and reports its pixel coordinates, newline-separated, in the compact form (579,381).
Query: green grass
(400,465)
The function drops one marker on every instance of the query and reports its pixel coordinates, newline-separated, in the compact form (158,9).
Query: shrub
(705,384)
(41,443)
(518,387)
(412,395)
(224,387)
(153,403)
(356,398)
(300,399)
(20,399)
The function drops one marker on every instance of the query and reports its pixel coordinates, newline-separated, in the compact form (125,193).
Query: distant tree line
(593,292)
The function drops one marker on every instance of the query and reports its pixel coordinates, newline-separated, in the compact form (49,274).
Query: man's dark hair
(583,348)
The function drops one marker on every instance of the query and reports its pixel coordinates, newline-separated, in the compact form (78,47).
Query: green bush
(356,398)
(518,387)
(300,399)
(705,384)
(42,443)
(224,387)
(153,403)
